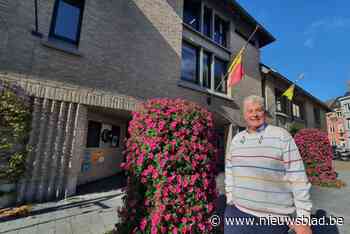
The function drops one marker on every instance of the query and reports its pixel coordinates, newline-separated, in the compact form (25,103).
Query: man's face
(254,115)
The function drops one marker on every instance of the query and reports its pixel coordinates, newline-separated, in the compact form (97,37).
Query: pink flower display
(170,164)
(316,153)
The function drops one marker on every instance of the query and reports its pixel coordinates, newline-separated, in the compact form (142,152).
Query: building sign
(86,164)
(97,156)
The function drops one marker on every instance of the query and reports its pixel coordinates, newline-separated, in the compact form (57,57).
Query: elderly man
(264,177)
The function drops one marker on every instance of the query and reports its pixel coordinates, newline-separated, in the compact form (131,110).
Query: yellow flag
(289,93)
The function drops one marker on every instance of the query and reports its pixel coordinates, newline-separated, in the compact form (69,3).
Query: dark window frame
(92,126)
(223,84)
(283,102)
(199,14)
(224,34)
(200,51)
(188,44)
(52,33)
(317,115)
(211,27)
(210,57)
(116,132)
(301,110)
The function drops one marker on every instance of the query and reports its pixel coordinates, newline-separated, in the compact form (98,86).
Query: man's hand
(301,229)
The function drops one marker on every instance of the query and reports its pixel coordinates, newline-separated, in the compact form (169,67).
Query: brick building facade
(304,111)
(87,76)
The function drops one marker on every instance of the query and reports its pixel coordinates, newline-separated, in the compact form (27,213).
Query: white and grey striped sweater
(265,175)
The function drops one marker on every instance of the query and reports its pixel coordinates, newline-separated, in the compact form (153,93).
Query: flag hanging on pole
(236,70)
(289,93)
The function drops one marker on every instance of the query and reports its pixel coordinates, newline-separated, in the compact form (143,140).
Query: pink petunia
(143,224)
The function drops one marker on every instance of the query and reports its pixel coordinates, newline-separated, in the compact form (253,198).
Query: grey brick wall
(127,49)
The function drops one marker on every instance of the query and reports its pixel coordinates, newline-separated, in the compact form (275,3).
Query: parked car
(342,153)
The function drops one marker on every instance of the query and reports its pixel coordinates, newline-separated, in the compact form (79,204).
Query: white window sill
(61,46)
(195,87)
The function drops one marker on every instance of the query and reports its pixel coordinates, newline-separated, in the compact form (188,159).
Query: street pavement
(86,214)
(96,212)
(335,202)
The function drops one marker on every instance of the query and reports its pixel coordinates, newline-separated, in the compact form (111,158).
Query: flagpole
(301,76)
(243,50)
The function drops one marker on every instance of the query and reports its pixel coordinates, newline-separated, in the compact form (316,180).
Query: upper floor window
(201,67)
(347,105)
(192,13)
(204,19)
(207,22)
(317,115)
(220,32)
(339,114)
(297,111)
(220,69)
(281,102)
(207,70)
(189,63)
(66,20)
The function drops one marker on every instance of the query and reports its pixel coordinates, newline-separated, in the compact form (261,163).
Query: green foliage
(15,118)
(294,128)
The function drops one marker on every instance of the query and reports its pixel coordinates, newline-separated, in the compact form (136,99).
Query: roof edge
(269,38)
(279,75)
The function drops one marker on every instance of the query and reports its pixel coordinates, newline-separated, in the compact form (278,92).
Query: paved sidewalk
(85,214)
(96,213)
(334,201)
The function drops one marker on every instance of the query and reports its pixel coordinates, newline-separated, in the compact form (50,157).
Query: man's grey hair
(254,99)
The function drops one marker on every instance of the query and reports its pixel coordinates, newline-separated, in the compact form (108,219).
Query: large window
(219,73)
(201,67)
(206,70)
(189,63)
(66,20)
(207,22)
(192,13)
(220,33)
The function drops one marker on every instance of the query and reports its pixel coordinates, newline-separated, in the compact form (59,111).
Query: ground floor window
(102,135)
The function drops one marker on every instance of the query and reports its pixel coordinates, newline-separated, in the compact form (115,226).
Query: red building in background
(335,125)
